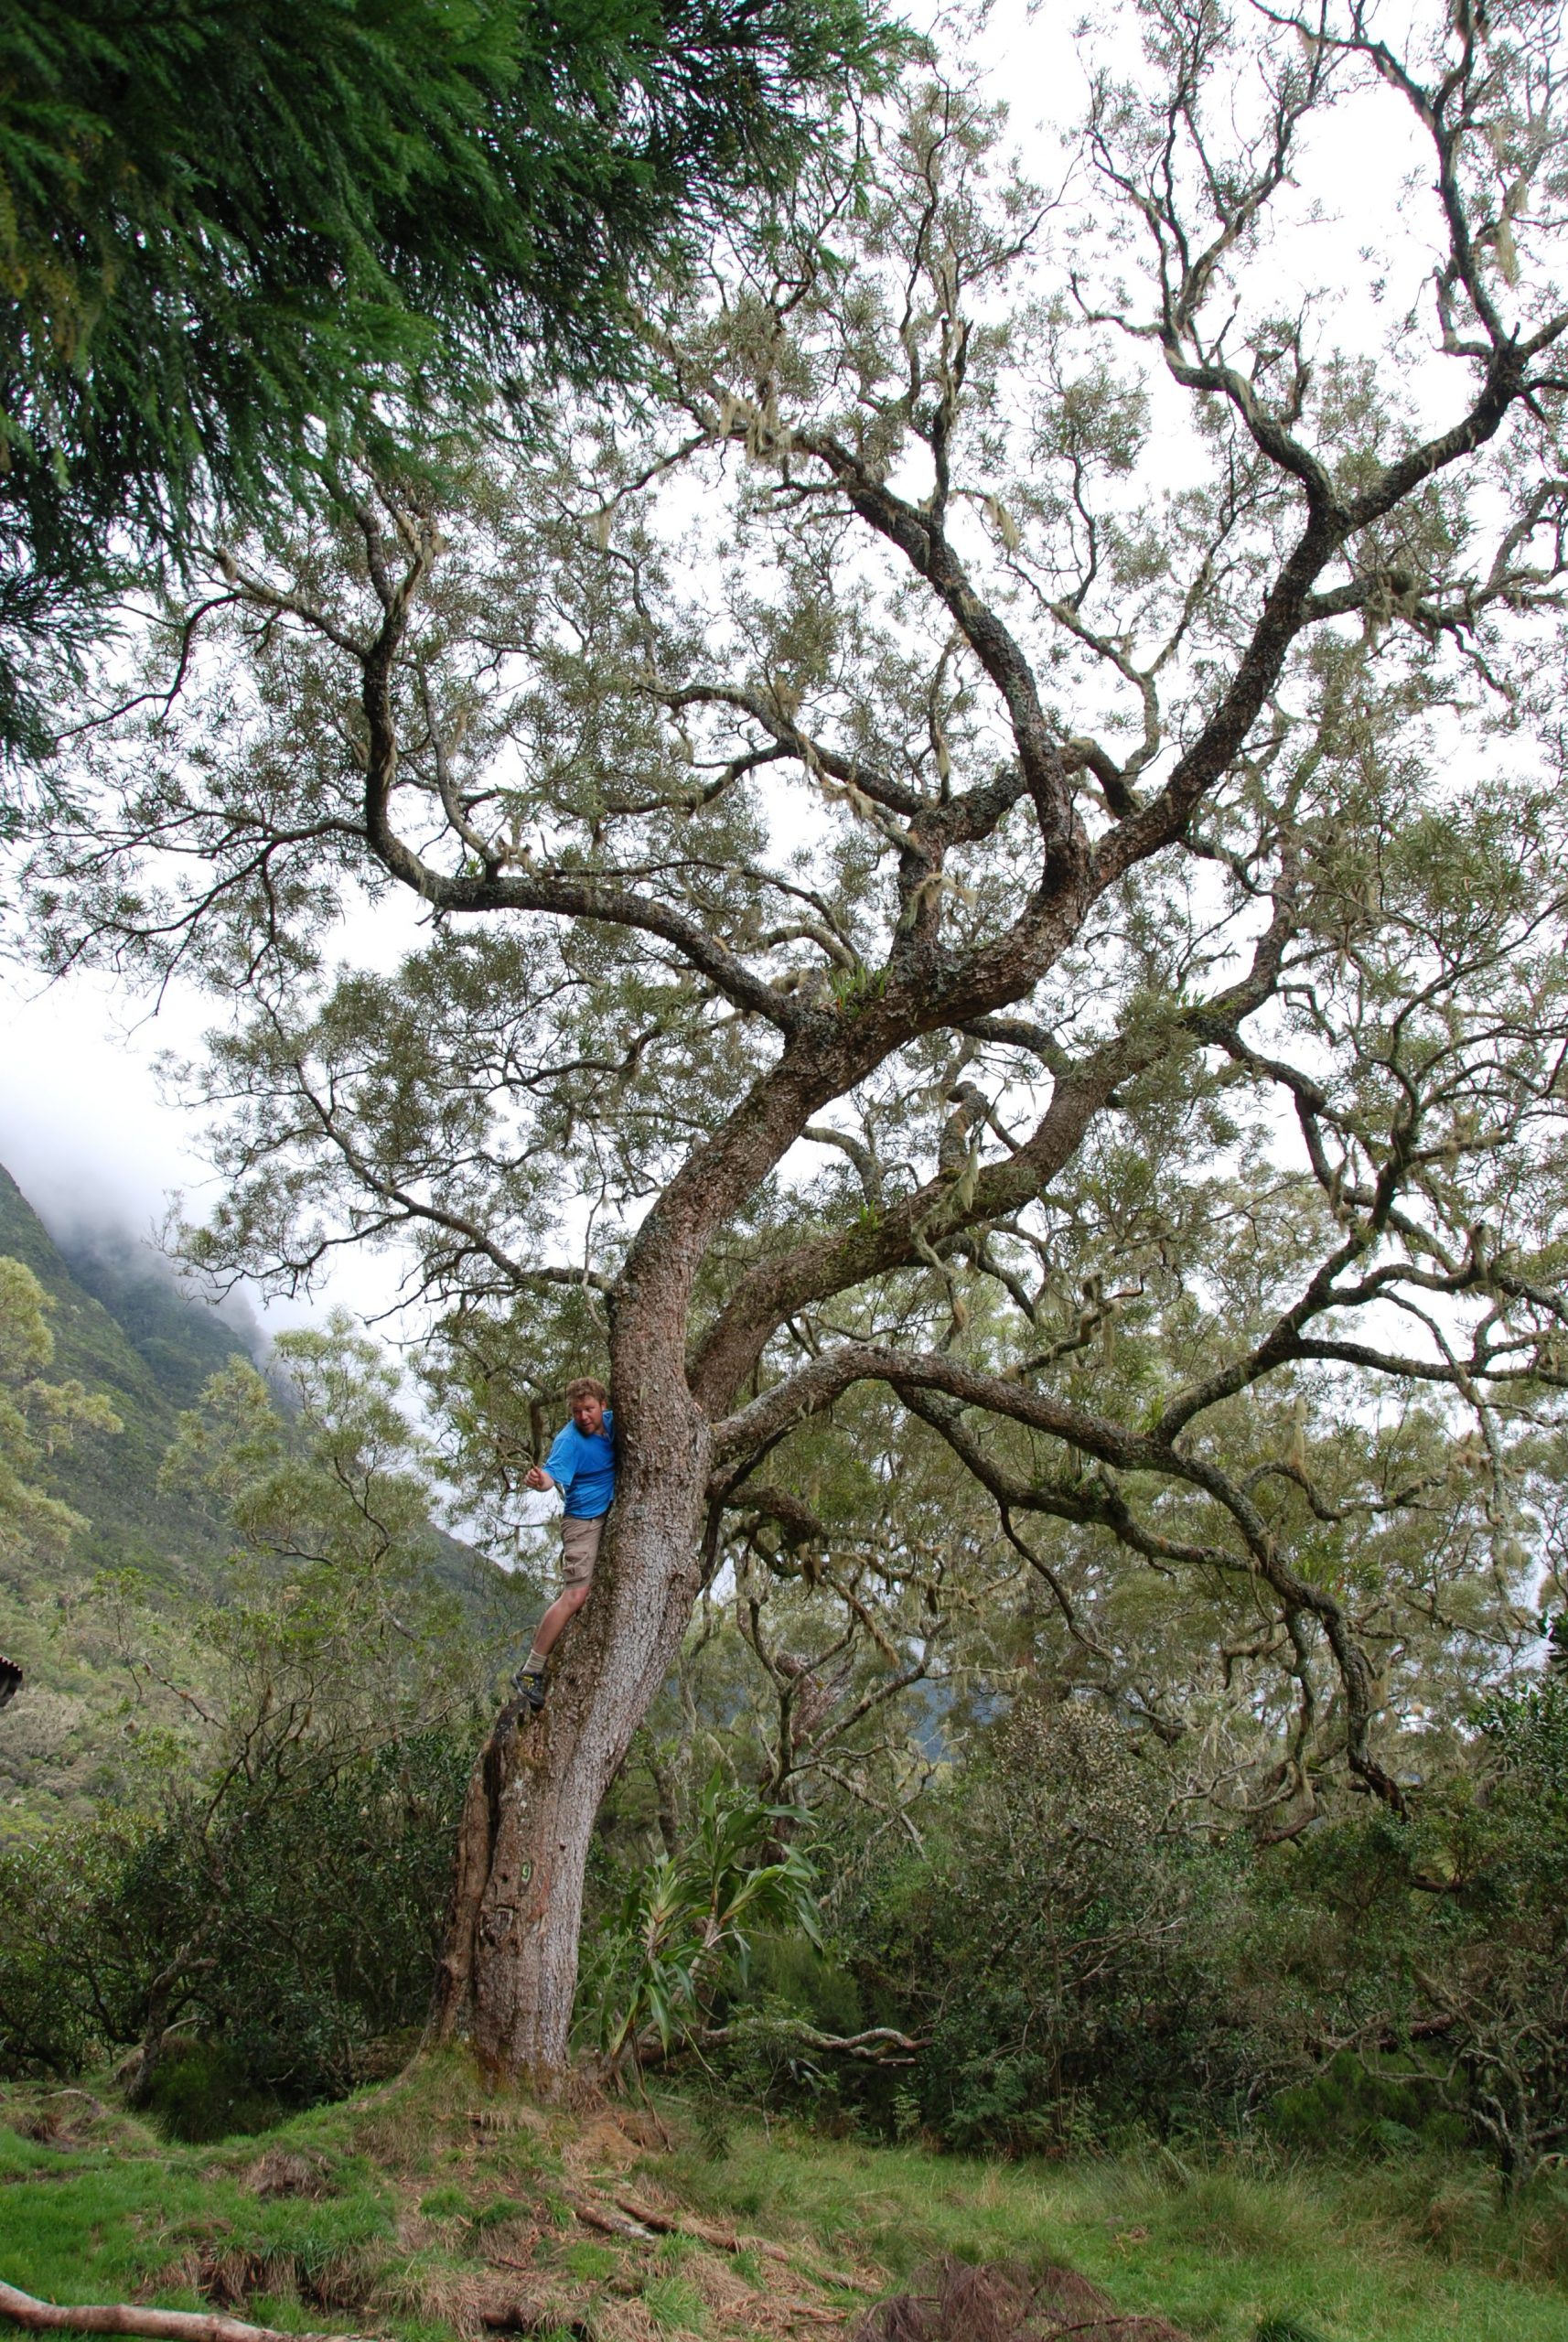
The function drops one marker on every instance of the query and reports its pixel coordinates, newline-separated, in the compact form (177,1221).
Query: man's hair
(585,1386)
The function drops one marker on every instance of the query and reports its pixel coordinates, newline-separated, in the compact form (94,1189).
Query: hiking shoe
(529,1685)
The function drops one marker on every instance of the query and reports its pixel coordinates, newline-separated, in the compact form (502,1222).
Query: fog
(104,1150)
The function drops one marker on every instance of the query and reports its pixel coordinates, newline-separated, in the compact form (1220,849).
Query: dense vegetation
(1083,1947)
(967,882)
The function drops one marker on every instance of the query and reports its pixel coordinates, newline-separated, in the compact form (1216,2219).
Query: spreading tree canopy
(991,871)
(229,228)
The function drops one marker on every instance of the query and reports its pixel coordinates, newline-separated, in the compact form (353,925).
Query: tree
(36,1416)
(1029,790)
(269,1877)
(231,233)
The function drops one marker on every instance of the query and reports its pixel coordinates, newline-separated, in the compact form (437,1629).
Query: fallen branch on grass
(127,2317)
(683,2224)
(722,2240)
(608,2223)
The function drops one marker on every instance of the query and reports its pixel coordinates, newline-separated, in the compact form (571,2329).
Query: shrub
(256,1943)
(1059,1948)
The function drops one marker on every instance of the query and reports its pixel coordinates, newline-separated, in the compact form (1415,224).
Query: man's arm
(559,1466)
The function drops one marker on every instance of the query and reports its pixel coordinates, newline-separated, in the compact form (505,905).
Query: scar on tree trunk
(476,1835)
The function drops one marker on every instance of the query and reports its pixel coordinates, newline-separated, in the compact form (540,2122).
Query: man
(582,1464)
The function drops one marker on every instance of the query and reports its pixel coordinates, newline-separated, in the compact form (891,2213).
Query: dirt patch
(228,2276)
(223,2276)
(955,2301)
(600,2145)
(281,2173)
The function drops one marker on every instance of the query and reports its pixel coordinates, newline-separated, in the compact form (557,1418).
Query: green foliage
(208,2091)
(1436,1950)
(685,1922)
(68,1973)
(1528,1733)
(227,232)
(302,1926)
(127,1332)
(1387,2103)
(37,1417)
(113,1482)
(267,1902)
(1060,1947)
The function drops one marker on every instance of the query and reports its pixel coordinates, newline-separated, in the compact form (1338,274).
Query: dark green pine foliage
(228,228)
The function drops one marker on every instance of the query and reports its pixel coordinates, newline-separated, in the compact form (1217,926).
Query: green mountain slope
(151,1361)
(61,1739)
(122,1326)
(177,1337)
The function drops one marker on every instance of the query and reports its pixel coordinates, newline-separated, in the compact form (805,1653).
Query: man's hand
(536,1476)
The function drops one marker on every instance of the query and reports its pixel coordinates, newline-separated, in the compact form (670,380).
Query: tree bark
(510,1965)
(125,2318)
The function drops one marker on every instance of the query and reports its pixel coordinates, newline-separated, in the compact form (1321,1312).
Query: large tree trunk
(511,1960)
(510,1966)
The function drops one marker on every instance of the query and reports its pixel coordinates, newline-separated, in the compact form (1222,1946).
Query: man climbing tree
(582,1464)
(1032,794)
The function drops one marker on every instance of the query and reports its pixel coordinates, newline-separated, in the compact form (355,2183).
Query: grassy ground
(426,2209)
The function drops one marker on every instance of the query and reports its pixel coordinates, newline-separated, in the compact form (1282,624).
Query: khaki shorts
(580,1548)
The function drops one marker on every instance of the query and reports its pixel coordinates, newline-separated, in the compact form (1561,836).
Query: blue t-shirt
(583,1466)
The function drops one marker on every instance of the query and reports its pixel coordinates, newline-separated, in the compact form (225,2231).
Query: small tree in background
(981,922)
(37,1417)
(271,1884)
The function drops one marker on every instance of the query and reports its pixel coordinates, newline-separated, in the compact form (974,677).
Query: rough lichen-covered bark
(509,1972)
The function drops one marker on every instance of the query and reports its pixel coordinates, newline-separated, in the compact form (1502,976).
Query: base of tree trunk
(477,1834)
(487,1855)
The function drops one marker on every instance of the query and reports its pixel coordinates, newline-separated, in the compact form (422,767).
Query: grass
(1220,2247)
(416,2208)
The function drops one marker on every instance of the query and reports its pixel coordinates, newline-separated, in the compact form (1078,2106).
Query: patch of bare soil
(281,2173)
(953,2301)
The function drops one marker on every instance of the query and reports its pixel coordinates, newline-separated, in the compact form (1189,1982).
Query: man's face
(588,1414)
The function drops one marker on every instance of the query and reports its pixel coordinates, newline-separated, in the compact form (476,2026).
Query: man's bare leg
(561,1612)
(530,1677)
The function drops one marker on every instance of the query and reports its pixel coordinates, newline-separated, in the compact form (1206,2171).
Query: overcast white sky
(85,1127)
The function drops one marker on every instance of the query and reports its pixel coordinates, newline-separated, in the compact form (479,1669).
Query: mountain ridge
(123,1326)
(112,1478)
